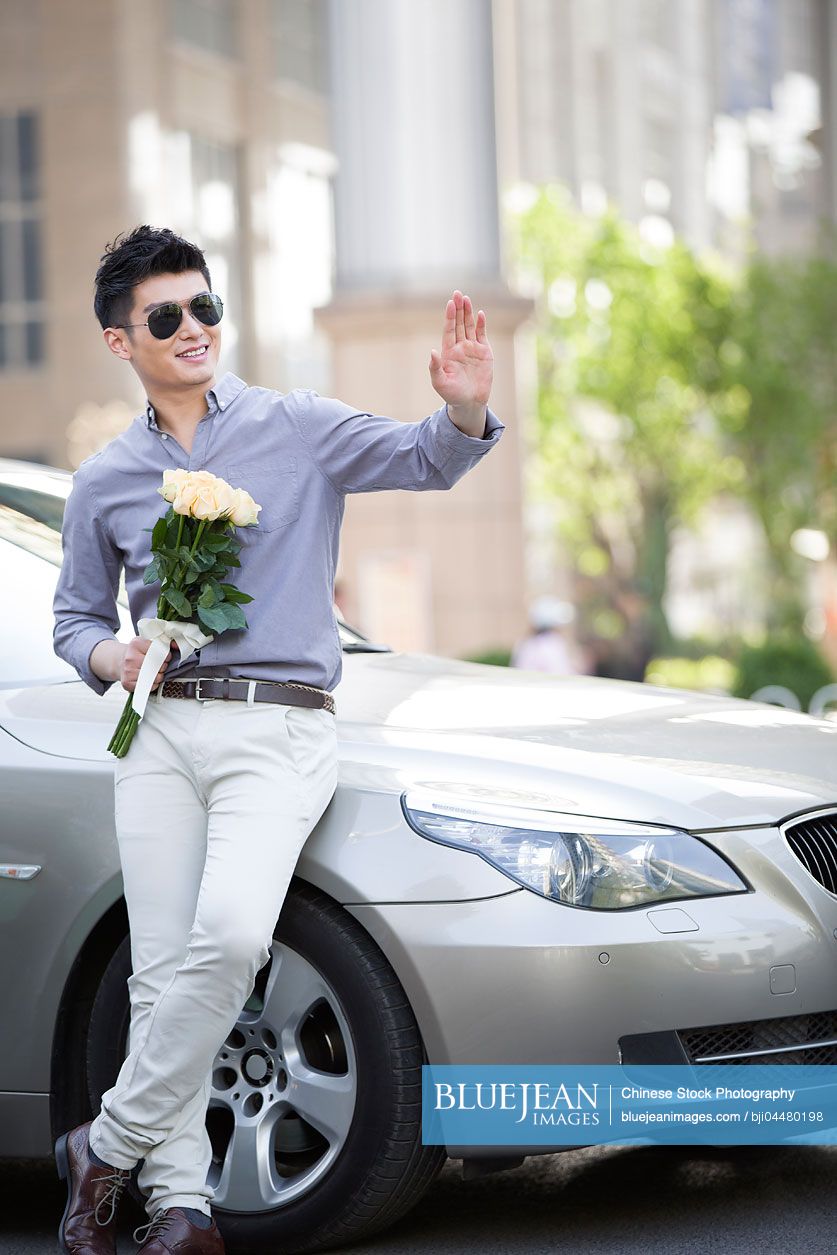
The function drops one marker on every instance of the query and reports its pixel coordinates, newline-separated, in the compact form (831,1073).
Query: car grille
(814,842)
(791,1039)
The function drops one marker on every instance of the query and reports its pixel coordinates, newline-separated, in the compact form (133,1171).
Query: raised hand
(463,372)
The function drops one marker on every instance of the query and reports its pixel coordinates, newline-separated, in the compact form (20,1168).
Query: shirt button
(165,435)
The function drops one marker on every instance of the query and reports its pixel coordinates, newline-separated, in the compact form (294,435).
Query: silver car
(515,868)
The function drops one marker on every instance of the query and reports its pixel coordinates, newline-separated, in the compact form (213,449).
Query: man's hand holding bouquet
(193,544)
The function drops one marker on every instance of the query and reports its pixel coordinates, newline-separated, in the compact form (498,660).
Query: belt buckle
(198,683)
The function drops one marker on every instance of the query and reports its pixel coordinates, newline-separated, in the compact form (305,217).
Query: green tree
(628,346)
(779,409)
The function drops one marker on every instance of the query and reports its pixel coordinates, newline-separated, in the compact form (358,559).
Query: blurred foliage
(793,662)
(666,379)
(638,331)
(711,672)
(779,409)
(493,657)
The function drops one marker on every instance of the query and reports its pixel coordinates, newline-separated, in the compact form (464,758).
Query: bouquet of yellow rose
(193,545)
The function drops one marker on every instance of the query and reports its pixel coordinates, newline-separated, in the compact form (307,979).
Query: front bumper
(517,979)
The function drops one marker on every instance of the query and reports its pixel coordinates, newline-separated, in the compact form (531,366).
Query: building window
(21,290)
(206,24)
(300,42)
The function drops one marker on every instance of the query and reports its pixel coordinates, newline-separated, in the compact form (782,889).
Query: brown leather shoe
(88,1226)
(171,1232)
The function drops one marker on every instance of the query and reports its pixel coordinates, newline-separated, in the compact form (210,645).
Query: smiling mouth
(195,355)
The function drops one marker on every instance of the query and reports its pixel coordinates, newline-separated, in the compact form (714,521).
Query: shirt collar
(223,394)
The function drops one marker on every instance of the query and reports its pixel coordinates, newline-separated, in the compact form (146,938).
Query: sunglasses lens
(207,308)
(164,320)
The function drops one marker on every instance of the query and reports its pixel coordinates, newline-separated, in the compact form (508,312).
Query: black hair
(132,258)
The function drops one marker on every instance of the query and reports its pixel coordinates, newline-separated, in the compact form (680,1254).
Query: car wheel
(315,1111)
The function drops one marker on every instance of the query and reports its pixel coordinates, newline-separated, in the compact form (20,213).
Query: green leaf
(235,616)
(211,620)
(179,602)
(211,595)
(151,573)
(158,534)
(203,561)
(215,541)
(234,594)
(219,618)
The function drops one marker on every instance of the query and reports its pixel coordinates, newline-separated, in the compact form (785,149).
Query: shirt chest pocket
(274,486)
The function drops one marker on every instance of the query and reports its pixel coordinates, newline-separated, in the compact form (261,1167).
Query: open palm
(463,371)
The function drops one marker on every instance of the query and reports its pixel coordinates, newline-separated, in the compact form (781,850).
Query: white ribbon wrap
(161,632)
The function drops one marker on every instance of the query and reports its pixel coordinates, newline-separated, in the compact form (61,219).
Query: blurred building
(695,117)
(612,98)
(227,121)
(171,112)
(772,82)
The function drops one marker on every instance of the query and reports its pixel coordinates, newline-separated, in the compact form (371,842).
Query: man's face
(186,359)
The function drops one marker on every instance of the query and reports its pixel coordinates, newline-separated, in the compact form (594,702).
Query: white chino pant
(214,801)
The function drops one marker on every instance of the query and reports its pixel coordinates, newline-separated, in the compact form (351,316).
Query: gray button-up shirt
(298,454)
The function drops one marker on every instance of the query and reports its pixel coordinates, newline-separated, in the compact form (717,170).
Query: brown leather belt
(238,688)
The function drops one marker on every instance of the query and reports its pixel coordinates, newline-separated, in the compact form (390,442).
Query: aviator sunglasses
(165,319)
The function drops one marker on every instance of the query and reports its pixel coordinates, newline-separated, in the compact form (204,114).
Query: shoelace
(118,1180)
(156,1227)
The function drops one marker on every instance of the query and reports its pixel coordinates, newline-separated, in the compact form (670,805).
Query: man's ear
(119,342)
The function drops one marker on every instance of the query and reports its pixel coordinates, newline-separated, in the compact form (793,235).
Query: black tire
(383,1169)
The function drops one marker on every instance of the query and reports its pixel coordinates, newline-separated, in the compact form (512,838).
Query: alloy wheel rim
(284,1088)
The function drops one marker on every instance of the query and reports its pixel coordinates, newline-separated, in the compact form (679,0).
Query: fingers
(459,321)
(449,329)
(468,318)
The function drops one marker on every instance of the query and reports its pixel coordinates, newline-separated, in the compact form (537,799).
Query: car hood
(578,744)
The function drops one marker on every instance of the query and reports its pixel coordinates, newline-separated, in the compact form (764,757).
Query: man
(215,799)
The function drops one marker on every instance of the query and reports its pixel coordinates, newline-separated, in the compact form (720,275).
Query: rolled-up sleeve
(361,452)
(84,605)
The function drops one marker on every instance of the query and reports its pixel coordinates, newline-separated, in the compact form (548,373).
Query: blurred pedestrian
(548,646)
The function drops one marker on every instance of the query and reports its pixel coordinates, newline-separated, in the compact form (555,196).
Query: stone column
(416,216)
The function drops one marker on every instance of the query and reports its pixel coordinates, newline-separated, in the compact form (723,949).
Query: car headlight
(580,860)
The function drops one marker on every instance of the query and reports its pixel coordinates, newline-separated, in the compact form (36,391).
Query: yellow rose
(199,494)
(172,480)
(224,497)
(194,494)
(185,497)
(244,510)
(206,503)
